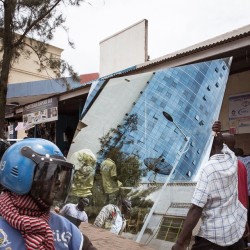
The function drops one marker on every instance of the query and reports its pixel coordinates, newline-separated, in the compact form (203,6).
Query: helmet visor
(52,180)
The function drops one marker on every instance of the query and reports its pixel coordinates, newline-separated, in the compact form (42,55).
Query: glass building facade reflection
(192,95)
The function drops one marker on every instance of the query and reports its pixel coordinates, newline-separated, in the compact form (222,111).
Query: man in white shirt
(75,212)
(216,202)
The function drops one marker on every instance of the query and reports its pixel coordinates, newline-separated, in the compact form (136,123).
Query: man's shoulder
(242,168)
(208,167)
(245,160)
(10,238)
(3,222)
(111,207)
(60,221)
(67,235)
(69,205)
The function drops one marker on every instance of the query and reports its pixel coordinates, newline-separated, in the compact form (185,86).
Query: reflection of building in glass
(191,94)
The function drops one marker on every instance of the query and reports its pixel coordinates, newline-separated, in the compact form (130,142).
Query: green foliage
(117,137)
(26,27)
(128,166)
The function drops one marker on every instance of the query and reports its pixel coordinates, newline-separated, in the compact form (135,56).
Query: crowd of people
(34,174)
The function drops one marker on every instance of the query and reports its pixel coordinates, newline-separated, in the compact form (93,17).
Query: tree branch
(19,41)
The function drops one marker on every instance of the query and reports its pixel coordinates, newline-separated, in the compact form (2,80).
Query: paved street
(104,240)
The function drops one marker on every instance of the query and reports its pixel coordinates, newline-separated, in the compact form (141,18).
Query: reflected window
(168,94)
(170,228)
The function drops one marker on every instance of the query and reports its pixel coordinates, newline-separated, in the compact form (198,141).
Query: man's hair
(229,140)
(239,152)
(218,141)
(126,204)
(84,201)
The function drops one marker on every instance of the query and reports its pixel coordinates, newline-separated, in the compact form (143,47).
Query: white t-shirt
(71,209)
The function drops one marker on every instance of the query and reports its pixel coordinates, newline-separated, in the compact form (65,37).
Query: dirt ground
(104,240)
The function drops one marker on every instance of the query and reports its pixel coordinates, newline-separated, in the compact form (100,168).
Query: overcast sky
(172,25)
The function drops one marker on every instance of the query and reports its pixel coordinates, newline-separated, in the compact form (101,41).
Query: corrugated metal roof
(207,44)
(51,86)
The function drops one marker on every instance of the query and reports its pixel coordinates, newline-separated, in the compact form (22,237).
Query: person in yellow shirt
(110,182)
(85,163)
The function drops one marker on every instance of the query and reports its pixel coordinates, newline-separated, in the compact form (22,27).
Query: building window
(168,94)
(170,228)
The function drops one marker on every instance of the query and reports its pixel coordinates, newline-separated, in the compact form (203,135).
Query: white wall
(26,69)
(108,110)
(237,84)
(126,48)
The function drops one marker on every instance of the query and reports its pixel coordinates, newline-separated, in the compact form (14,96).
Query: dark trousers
(203,244)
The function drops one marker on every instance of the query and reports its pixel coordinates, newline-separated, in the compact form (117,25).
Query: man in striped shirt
(112,217)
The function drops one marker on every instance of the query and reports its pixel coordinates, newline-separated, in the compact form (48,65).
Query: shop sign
(239,107)
(41,112)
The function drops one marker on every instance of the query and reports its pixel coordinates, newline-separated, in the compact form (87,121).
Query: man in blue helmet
(34,173)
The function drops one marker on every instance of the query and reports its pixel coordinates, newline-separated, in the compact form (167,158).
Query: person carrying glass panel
(111,184)
(216,202)
(85,164)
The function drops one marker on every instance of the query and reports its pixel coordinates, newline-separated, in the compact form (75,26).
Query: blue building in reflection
(192,95)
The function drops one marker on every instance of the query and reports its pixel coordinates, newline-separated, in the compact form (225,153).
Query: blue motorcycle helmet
(37,167)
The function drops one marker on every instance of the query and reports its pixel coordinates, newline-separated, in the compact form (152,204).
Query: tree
(128,166)
(21,21)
